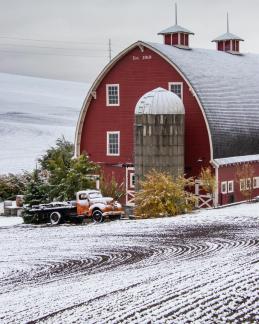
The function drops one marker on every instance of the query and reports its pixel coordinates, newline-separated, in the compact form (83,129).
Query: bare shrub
(208,180)
(111,188)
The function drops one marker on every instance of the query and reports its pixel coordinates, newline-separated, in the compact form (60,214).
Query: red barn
(219,90)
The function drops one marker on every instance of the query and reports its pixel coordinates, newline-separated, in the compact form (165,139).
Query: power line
(47,40)
(50,54)
(51,47)
(50,40)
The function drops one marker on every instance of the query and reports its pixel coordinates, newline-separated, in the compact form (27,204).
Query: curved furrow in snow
(199,268)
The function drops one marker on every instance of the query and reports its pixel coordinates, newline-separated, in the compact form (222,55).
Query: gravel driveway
(198,268)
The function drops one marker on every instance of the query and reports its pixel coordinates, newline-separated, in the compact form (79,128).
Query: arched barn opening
(219,90)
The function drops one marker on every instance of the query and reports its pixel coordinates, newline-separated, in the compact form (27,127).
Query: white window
(242,184)
(132,180)
(230,186)
(113,143)
(256,182)
(248,183)
(112,94)
(224,188)
(177,88)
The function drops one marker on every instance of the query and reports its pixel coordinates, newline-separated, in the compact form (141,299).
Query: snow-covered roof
(175,29)
(227,36)
(159,102)
(227,87)
(237,159)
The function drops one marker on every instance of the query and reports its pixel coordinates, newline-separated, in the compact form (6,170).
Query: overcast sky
(68,39)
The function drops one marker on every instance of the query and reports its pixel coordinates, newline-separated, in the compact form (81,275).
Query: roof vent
(228,42)
(176,35)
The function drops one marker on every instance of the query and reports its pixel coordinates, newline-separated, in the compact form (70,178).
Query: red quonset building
(219,90)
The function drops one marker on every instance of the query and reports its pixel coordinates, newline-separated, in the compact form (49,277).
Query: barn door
(130,186)
(204,200)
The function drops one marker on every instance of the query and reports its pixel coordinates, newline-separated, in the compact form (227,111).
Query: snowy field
(199,268)
(34,112)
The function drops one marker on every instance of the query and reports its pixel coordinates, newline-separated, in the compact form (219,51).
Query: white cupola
(176,35)
(228,42)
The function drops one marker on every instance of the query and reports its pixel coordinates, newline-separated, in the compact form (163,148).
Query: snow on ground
(10,221)
(199,268)
(34,112)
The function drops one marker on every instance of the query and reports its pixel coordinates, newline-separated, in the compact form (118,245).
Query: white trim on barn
(242,184)
(130,189)
(108,86)
(170,84)
(255,182)
(108,153)
(231,186)
(224,187)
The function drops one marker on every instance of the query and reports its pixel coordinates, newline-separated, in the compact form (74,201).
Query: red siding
(186,42)
(228,173)
(220,46)
(175,39)
(137,76)
(167,39)
(227,46)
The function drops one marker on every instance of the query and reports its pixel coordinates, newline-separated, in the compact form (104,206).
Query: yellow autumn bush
(162,195)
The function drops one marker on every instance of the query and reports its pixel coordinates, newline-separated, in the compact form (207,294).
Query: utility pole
(110,49)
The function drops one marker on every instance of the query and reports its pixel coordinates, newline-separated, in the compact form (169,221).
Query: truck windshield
(94,195)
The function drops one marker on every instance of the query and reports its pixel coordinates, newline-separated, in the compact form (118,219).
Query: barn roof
(175,29)
(227,87)
(227,36)
(237,159)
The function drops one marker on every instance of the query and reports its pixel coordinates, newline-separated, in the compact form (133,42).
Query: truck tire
(98,216)
(55,218)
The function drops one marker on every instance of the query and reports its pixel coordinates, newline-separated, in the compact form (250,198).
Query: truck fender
(96,206)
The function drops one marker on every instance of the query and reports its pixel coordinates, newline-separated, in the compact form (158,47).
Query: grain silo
(159,133)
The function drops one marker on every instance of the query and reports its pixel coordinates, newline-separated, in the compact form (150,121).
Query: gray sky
(69,38)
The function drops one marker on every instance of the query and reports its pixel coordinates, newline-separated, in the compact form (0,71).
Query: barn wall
(228,173)
(138,73)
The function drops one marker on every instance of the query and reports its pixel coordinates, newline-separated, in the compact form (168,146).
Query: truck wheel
(98,216)
(55,218)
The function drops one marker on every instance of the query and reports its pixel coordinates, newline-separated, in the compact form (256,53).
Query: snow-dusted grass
(10,221)
(198,268)
(34,112)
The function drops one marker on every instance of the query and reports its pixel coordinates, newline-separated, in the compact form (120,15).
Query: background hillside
(34,112)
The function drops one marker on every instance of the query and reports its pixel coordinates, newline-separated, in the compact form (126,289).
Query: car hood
(103,200)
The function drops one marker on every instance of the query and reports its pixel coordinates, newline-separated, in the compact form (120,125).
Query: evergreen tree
(36,191)
(66,175)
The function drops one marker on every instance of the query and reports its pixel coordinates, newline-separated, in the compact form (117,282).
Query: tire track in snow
(170,270)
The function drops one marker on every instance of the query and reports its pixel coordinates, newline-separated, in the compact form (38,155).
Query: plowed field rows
(199,268)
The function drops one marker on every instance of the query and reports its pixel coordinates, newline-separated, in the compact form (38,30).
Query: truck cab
(91,203)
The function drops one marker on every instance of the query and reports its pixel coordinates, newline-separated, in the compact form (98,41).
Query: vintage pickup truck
(89,204)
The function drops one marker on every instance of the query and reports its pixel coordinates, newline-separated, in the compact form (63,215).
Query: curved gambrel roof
(226,87)
(92,91)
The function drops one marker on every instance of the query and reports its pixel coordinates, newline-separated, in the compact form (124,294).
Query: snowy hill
(34,112)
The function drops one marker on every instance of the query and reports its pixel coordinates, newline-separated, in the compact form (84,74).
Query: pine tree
(36,191)
(66,175)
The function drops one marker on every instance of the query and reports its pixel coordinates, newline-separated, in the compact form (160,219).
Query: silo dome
(159,102)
